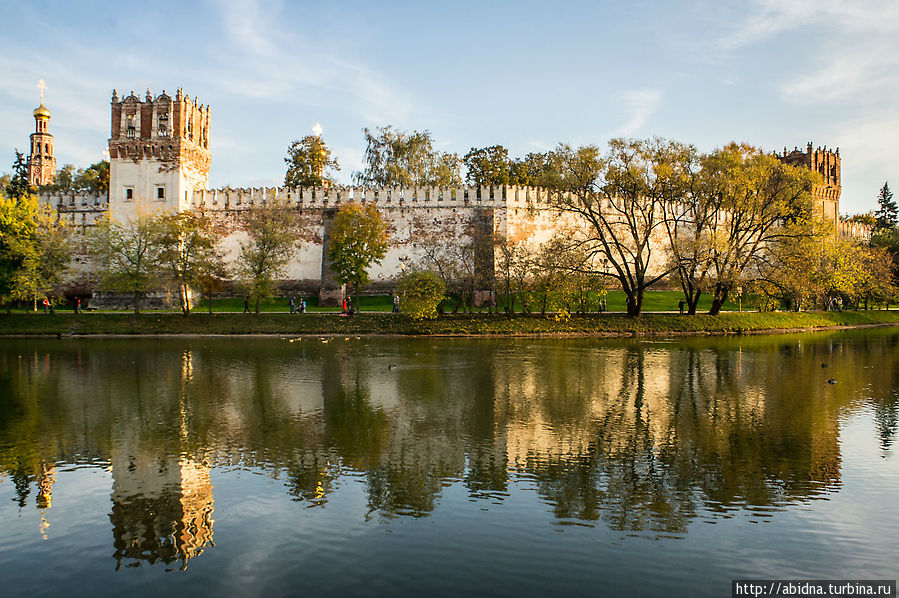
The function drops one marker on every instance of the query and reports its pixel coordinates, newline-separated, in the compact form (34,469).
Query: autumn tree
(188,251)
(397,159)
(887,214)
(273,237)
(34,250)
(619,198)
(358,239)
(812,268)
(309,163)
(44,257)
(761,202)
(126,255)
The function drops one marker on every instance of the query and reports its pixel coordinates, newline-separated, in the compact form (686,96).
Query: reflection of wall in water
(162,508)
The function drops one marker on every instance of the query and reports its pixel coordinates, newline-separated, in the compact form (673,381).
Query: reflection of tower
(41,163)
(45,482)
(162,508)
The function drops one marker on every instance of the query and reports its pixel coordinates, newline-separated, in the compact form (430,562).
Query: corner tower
(158,153)
(41,162)
(826,163)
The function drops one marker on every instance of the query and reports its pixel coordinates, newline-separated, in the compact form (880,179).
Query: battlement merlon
(160,118)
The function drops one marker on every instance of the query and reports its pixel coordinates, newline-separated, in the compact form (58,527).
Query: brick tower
(41,162)
(158,153)
(826,163)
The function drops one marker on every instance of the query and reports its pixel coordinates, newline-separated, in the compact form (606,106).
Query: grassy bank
(385,323)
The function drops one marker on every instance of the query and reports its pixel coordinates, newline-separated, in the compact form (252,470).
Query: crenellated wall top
(390,197)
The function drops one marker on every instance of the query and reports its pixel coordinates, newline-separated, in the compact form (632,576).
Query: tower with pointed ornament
(41,162)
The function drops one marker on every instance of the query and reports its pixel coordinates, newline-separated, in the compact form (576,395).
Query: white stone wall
(143,178)
(417,218)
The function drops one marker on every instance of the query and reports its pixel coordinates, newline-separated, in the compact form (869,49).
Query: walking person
(293,305)
(396,304)
(302,305)
(680,306)
(78,305)
(246,305)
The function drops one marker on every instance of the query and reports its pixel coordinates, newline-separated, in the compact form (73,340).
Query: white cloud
(772,17)
(850,75)
(641,105)
(280,64)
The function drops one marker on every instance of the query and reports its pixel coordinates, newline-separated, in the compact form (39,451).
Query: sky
(527,75)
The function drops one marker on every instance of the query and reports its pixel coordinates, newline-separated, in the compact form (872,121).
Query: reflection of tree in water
(639,435)
(886,413)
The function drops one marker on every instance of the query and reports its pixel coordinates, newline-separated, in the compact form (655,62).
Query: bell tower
(158,153)
(41,162)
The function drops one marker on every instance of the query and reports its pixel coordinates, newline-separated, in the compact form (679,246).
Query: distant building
(826,163)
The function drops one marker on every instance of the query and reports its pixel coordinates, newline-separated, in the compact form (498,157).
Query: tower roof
(41,112)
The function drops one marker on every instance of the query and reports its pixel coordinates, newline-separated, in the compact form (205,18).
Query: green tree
(309,163)
(126,256)
(421,293)
(887,213)
(93,179)
(273,237)
(358,239)
(187,246)
(397,159)
(64,180)
(18,185)
(487,166)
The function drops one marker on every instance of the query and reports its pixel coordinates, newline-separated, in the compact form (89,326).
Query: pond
(441,467)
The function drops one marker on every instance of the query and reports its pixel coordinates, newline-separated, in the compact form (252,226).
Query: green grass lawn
(648,324)
(653,301)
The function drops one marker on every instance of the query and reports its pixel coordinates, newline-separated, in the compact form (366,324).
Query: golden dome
(41,111)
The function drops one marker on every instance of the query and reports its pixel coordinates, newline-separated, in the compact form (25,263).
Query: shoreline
(648,325)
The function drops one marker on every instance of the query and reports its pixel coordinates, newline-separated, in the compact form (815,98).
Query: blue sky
(523,74)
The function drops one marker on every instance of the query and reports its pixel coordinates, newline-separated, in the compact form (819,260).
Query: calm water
(446,467)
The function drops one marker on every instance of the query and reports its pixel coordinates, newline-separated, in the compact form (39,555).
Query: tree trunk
(718,299)
(209,301)
(634,304)
(692,304)
(257,306)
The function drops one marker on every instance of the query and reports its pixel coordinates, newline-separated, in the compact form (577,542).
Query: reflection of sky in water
(526,466)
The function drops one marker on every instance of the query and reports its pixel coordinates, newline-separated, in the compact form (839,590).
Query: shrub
(421,293)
